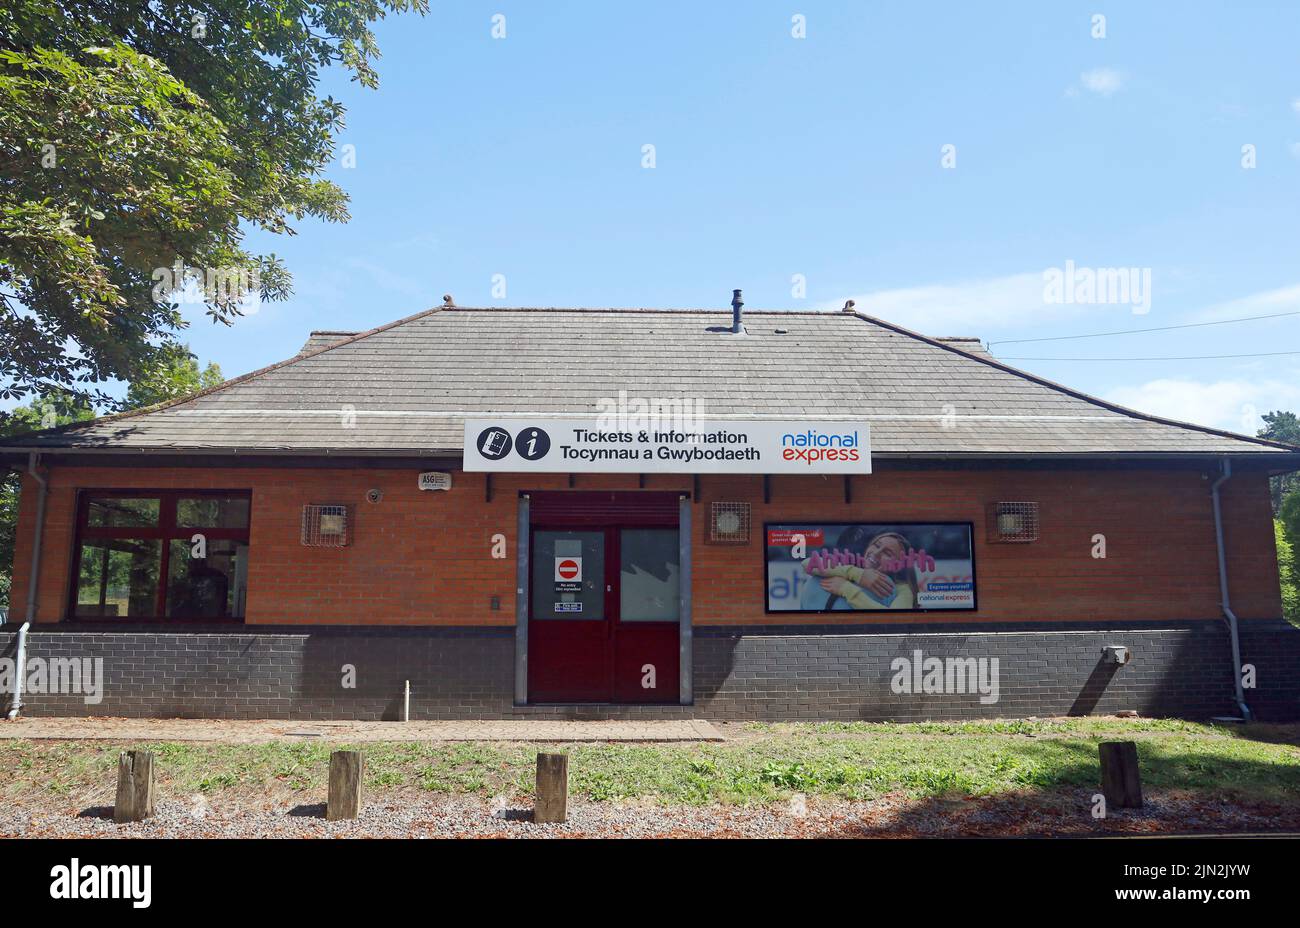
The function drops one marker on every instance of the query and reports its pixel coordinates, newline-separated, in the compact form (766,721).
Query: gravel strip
(419,816)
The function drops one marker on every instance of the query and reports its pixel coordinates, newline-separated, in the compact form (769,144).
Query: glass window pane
(212,512)
(122,511)
(648,575)
(568,575)
(211,587)
(118,577)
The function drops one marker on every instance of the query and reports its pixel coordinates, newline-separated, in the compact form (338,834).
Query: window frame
(165,532)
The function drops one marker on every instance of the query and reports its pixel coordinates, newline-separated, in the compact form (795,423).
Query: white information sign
(715,446)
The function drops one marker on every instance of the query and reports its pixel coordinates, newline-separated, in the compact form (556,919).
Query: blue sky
(824,156)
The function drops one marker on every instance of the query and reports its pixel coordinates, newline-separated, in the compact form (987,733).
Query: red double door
(603,598)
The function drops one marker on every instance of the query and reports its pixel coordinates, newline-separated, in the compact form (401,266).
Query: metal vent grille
(729,523)
(1013,522)
(326,525)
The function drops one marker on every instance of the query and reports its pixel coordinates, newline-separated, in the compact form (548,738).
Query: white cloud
(1295,104)
(1233,405)
(1103,81)
(385,279)
(1294,148)
(972,307)
(1264,303)
(1016,302)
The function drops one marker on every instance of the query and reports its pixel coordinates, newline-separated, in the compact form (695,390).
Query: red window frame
(165,532)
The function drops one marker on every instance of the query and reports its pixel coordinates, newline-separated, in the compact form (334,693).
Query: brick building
(307,540)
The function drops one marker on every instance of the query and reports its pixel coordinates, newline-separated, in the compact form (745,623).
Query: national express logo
(815,445)
(531,443)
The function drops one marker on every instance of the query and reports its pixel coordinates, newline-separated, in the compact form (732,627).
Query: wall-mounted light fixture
(1012,522)
(325,525)
(729,524)
(1116,654)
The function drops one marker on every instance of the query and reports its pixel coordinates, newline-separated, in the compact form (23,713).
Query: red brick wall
(424,558)
(1161,562)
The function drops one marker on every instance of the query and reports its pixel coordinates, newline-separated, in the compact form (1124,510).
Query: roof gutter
(1285,461)
(1228,614)
(33,579)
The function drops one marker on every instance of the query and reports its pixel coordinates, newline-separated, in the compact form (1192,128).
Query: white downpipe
(1228,614)
(20,671)
(406,704)
(20,668)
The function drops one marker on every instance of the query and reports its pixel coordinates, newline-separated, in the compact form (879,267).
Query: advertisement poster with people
(858,567)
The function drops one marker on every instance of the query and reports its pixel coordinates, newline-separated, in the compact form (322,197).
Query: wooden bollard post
(134,802)
(552,801)
(347,770)
(1121,781)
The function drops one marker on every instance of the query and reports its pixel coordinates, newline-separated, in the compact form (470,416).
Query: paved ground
(255,732)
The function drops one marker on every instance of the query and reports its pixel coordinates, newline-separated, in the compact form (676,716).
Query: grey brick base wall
(1271,647)
(1183,672)
(454,673)
(763,673)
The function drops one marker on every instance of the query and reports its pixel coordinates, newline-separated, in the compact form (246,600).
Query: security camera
(375,495)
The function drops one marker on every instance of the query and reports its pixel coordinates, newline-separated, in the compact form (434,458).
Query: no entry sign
(568,574)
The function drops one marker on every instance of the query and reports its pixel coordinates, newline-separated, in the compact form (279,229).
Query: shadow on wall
(8,652)
(1165,675)
(460,673)
(1272,648)
(712,673)
(1094,687)
(348,676)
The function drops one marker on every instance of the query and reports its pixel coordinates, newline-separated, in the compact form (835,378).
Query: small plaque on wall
(435,480)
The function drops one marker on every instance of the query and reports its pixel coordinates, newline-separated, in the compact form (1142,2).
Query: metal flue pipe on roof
(736,305)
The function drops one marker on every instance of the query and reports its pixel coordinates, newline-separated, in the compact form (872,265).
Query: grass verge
(1253,763)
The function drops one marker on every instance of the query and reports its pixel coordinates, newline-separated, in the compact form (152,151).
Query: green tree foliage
(1284,427)
(58,407)
(1288,526)
(1281,426)
(137,141)
(1289,574)
(174,374)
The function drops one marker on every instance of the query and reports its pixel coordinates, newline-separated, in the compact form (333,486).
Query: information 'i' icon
(533,444)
